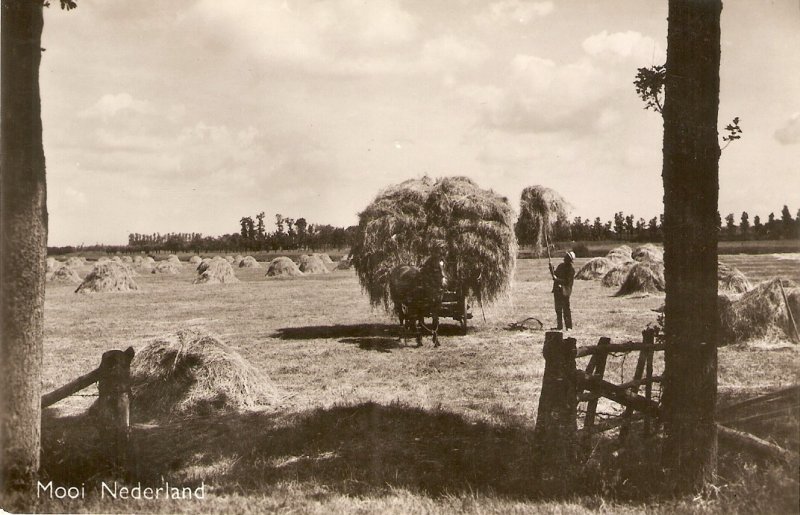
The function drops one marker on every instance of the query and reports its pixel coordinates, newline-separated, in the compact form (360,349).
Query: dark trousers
(563,312)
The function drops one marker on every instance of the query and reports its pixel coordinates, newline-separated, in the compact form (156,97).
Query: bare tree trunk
(23,245)
(691,188)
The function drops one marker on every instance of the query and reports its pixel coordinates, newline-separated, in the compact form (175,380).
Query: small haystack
(644,276)
(63,274)
(648,252)
(237,260)
(730,279)
(215,271)
(249,262)
(595,268)
(193,373)
(283,267)
(312,265)
(540,209)
(760,313)
(52,264)
(229,259)
(326,259)
(108,276)
(102,259)
(75,262)
(616,276)
(173,259)
(166,267)
(117,259)
(195,260)
(127,260)
(620,255)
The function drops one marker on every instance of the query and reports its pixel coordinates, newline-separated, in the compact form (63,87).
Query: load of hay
(595,268)
(194,373)
(249,262)
(648,252)
(108,276)
(760,313)
(540,209)
(63,274)
(195,260)
(75,262)
(620,255)
(616,276)
(642,277)
(730,279)
(283,267)
(312,265)
(166,267)
(215,271)
(406,222)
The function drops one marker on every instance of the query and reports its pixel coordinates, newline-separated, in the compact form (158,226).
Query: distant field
(363,422)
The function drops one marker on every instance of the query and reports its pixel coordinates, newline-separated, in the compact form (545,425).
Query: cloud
(111,105)
(620,46)
(518,11)
(789,133)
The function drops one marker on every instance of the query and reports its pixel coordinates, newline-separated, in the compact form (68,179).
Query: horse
(417,293)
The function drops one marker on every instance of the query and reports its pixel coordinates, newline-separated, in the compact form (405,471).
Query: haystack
(326,259)
(283,267)
(194,373)
(229,259)
(127,260)
(117,259)
(166,267)
(312,265)
(195,260)
(52,264)
(75,262)
(108,276)
(595,268)
(148,260)
(620,255)
(63,274)
(172,258)
(540,209)
(730,279)
(759,313)
(648,252)
(103,259)
(237,260)
(215,271)
(643,277)
(407,221)
(616,276)
(249,262)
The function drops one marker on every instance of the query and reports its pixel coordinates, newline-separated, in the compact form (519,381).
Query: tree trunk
(691,188)
(23,244)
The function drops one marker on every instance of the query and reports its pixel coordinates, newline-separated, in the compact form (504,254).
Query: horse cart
(454,305)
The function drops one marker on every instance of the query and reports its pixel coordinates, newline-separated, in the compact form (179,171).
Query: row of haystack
(769,310)
(406,223)
(630,271)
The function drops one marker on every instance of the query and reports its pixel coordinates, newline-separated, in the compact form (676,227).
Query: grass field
(364,423)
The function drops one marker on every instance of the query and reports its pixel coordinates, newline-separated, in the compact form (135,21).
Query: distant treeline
(297,233)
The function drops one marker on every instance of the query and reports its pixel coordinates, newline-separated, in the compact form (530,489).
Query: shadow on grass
(364,449)
(313,332)
(376,343)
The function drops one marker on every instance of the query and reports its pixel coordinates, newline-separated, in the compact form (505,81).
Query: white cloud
(789,133)
(448,52)
(518,11)
(110,105)
(620,46)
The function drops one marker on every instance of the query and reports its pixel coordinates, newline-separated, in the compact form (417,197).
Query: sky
(186,115)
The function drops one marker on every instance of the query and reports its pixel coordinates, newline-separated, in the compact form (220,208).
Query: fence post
(112,408)
(649,336)
(599,370)
(555,433)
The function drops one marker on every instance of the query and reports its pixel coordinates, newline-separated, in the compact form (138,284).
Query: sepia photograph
(400,256)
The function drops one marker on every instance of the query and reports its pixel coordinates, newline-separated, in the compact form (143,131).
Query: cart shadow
(362,331)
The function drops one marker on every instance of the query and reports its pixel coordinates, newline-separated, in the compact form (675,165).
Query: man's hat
(570,255)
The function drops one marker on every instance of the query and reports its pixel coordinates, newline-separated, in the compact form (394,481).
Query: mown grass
(365,423)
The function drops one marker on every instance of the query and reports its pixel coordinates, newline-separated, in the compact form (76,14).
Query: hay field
(364,423)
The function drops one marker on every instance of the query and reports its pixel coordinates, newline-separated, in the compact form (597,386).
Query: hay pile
(172,258)
(406,222)
(229,259)
(730,279)
(75,262)
(237,260)
(344,264)
(645,276)
(324,258)
(540,209)
(249,262)
(616,276)
(117,259)
(193,373)
(166,267)
(283,267)
(759,313)
(215,271)
(195,260)
(108,276)
(312,265)
(595,268)
(127,260)
(63,274)
(52,264)
(102,259)
(648,252)
(620,255)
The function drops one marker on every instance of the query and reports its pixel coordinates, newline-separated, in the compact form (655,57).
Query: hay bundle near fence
(643,277)
(283,267)
(107,277)
(312,265)
(760,313)
(194,373)
(648,252)
(63,274)
(730,279)
(407,221)
(215,271)
(249,262)
(540,209)
(166,267)
(595,268)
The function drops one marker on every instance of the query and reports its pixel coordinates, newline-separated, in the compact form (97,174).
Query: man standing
(563,277)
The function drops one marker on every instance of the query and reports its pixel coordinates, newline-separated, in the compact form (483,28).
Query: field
(364,423)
